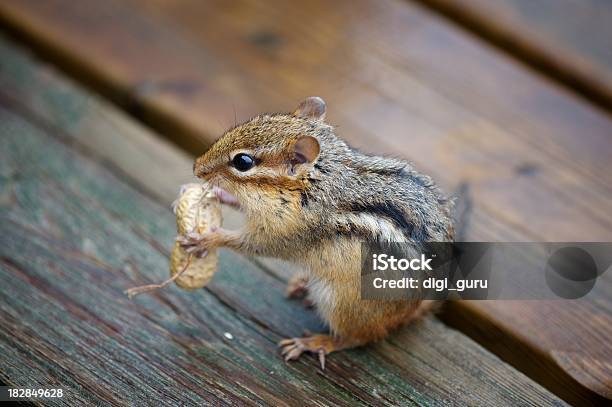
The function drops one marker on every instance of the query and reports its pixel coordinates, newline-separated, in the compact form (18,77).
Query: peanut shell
(197,210)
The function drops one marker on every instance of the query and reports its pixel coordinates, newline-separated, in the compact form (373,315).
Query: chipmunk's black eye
(243,162)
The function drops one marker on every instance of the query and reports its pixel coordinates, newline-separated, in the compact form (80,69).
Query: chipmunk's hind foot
(297,286)
(320,345)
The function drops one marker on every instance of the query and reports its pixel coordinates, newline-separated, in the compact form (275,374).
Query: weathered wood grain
(398,80)
(567,39)
(75,230)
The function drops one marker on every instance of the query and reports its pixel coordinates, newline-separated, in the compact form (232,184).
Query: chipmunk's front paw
(292,348)
(194,243)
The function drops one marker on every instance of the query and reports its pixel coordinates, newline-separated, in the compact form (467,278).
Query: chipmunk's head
(268,155)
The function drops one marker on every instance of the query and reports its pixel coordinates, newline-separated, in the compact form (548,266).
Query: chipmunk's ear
(305,150)
(312,108)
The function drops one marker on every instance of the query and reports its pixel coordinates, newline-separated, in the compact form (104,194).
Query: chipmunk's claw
(322,358)
(320,345)
(194,243)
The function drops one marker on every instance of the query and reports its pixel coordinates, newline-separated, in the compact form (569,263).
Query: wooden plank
(565,38)
(404,83)
(76,230)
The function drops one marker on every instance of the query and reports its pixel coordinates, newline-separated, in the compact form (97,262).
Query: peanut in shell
(197,210)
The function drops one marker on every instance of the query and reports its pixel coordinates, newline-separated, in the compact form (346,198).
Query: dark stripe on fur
(389,211)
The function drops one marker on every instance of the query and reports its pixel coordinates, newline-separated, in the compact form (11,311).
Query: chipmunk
(311,199)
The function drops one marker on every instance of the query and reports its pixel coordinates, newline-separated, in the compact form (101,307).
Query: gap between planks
(525,50)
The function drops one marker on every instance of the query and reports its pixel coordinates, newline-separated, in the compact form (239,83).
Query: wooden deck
(85,189)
